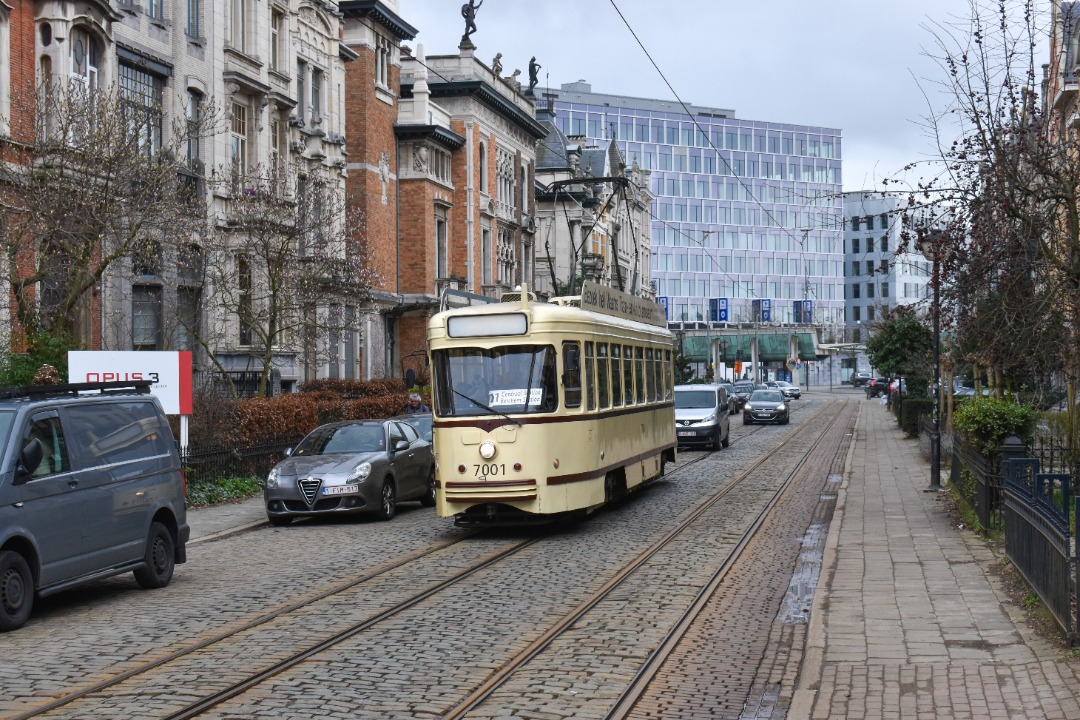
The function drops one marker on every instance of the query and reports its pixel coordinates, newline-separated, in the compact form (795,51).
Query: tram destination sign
(610,301)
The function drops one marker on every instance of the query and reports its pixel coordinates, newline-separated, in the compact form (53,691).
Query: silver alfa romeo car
(357,466)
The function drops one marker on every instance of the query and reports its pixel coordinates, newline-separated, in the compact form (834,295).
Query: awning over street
(772,347)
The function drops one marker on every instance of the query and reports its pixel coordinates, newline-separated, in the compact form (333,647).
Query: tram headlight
(487,449)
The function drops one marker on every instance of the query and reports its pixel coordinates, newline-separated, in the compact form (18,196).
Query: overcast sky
(855,65)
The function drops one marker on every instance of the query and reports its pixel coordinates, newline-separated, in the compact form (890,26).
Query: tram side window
(616,375)
(602,375)
(572,374)
(639,374)
(658,376)
(667,375)
(654,377)
(628,373)
(590,385)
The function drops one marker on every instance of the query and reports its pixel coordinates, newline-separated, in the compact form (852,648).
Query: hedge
(249,420)
(912,409)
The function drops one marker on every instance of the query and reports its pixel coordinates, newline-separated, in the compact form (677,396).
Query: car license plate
(340,490)
(686,434)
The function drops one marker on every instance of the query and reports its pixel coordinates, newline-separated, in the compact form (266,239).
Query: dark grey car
(422,421)
(352,467)
(766,406)
(90,486)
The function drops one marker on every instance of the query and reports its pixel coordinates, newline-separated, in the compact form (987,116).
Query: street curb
(227,533)
(810,671)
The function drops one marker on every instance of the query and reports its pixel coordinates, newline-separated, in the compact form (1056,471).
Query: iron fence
(1037,536)
(1033,499)
(981,486)
(211,462)
(1054,455)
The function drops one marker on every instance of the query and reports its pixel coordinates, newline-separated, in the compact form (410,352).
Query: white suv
(702,415)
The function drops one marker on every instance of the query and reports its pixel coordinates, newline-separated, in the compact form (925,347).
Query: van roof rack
(141,387)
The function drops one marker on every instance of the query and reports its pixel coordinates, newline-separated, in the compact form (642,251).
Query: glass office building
(747,225)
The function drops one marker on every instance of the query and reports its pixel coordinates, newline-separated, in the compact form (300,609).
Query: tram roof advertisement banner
(609,301)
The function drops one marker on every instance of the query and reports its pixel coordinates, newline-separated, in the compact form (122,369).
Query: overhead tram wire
(708,251)
(693,119)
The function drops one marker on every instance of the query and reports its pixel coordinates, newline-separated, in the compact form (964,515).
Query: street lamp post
(931,250)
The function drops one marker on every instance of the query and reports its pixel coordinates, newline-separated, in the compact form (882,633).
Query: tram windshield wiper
(479,404)
(528,387)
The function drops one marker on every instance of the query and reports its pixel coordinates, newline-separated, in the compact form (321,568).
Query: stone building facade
(593,215)
(273,72)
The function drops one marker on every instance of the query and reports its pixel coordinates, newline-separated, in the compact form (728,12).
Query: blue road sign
(664,304)
(766,310)
(718,309)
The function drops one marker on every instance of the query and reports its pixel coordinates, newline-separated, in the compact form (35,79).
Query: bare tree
(1005,179)
(105,174)
(288,269)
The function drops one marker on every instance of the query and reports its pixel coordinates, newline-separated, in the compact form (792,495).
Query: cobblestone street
(421,660)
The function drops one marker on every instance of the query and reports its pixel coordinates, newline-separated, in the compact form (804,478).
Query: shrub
(249,420)
(214,492)
(912,410)
(354,389)
(986,422)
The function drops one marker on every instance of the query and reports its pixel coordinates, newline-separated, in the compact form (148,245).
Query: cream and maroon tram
(547,409)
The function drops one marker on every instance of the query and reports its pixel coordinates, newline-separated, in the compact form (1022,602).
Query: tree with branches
(288,270)
(998,203)
(103,177)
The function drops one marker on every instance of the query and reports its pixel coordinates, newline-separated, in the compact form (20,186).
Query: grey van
(702,415)
(90,486)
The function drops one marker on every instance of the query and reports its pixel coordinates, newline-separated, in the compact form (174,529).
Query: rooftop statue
(468,11)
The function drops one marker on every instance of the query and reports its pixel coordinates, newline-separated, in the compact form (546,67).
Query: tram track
(505,673)
(260,620)
(658,659)
(116,685)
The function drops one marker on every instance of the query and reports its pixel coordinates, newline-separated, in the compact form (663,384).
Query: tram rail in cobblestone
(501,676)
(632,694)
(248,625)
(209,701)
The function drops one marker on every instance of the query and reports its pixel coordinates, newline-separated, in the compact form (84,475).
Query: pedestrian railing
(977,478)
(1038,541)
(212,462)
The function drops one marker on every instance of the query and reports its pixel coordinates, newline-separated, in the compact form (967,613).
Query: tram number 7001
(492,469)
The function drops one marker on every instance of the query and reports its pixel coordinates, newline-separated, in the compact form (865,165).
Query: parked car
(969,392)
(743,390)
(861,378)
(90,486)
(766,406)
(789,390)
(352,467)
(421,421)
(701,415)
(877,387)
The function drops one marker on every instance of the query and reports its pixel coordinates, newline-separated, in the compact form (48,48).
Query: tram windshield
(511,379)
